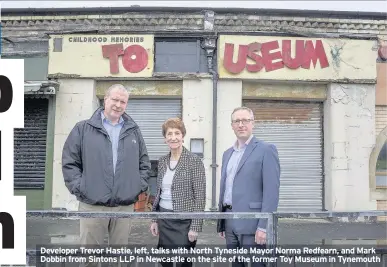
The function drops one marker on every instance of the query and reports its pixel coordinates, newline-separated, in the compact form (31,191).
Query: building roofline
(265,12)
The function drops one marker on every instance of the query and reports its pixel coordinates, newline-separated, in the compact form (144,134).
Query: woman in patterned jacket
(181,187)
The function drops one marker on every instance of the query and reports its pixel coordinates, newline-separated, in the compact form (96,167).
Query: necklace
(169,163)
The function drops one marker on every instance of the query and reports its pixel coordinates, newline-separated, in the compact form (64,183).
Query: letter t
(112,52)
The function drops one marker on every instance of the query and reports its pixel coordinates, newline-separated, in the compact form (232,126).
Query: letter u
(228,58)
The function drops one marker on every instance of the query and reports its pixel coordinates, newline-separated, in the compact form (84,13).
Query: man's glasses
(244,121)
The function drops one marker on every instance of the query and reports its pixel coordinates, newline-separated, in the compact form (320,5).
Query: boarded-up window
(180,55)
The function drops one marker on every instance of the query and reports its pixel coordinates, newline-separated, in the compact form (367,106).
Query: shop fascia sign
(93,56)
(267,56)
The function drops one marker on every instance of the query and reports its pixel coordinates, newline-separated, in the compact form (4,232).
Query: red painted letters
(134,57)
(112,52)
(305,53)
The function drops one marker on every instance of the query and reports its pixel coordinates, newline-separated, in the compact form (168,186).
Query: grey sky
(371,6)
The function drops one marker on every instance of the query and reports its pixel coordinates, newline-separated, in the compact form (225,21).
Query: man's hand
(260,237)
(154,229)
(192,236)
(221,234)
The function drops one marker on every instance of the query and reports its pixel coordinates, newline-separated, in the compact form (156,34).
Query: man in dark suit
(250,182)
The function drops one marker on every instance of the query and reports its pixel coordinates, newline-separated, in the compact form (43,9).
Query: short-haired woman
(181,187)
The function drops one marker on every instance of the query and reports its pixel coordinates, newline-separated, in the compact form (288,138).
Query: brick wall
(381,119)
(380,124)
(382,205)
(381,85)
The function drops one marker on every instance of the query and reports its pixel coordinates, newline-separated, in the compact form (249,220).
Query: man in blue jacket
(106,166)
(250,181)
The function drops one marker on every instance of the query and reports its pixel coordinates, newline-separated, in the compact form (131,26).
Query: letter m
(312,53)
(8,230)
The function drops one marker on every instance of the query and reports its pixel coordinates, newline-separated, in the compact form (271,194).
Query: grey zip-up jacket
(87,163)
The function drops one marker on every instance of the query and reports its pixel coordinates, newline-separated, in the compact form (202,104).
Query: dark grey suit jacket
(256,185)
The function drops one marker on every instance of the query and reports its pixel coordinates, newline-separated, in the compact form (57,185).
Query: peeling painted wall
(349,132)
(229,97)
(197,117)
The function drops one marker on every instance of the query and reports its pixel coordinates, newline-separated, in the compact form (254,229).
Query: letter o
(137,64)
(6,94)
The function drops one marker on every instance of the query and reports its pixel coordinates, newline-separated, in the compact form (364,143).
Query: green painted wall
(34,198)
(35,68)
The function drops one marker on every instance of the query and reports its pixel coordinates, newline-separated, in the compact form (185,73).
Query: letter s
(6,93)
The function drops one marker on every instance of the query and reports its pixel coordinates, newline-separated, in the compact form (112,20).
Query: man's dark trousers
(235,240)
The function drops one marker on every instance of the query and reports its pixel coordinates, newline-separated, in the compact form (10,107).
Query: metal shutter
(150,115)
(296,130)
(30,146)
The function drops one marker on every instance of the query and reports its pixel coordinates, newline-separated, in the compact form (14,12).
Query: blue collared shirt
(232,167)
(114,134)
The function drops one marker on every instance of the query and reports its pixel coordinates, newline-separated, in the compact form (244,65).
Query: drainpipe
(210,45)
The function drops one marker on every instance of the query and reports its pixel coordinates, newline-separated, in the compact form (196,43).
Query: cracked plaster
(350,118)
(346,94)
